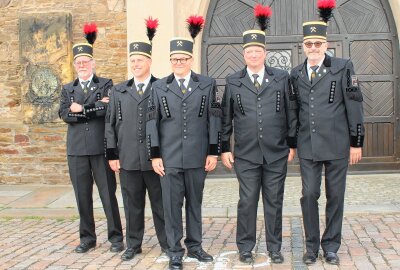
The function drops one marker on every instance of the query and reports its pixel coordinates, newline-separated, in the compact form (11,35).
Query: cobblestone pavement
(39,229)
(369,242)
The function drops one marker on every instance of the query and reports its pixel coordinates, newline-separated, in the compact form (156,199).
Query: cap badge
(313,29)
(80,49)
(179,43)
(254,36)
(135,46)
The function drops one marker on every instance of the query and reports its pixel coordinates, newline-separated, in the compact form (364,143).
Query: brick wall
(35,153)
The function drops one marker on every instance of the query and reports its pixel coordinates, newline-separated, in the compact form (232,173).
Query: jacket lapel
(93,87)
(192,86)
(304,74)
(267,80)
(77,89)
(323,70)
(173,86)
(246,81)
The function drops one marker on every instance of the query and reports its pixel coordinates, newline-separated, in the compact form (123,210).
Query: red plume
(195,25)
(263,15)
(325,9)
(151,26)
(90,30)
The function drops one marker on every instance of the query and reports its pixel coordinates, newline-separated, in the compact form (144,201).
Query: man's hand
(355,155)
(227,159)
(211,163)
(158,166)
(76,108)
(114,165)
(292,153)
(105,99)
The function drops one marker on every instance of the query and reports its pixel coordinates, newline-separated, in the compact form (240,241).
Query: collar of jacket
(95,80)
(132,81)
(267,69)
(327,61)
(193,76)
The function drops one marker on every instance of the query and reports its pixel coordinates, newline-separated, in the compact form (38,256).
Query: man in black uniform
(331,134)
(183,134)
(127,148)
(259,106)
(83,107)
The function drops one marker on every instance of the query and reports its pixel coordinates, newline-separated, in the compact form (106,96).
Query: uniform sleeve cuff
(89,109)
(112,154)
(155,152)
(214,150)
(292,142)
(226,146)
(356,141)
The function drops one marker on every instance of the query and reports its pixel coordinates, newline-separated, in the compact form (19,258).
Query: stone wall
(32,140)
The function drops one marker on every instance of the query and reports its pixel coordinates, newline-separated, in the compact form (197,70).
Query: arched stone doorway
(363,30)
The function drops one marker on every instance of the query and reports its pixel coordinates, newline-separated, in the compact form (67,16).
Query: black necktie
(182,86)
(313,73)
(140,89)
(85,86)
(256,83)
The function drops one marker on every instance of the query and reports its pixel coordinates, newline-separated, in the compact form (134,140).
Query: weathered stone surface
(32,137)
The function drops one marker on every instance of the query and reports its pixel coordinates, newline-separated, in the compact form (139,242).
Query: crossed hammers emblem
(80,49)
(135,46)
(253,36)
(313,29)
(179,43)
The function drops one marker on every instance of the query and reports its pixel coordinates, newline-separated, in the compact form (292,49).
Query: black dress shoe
(130,253)
(246,257)
(200,255)
(310,257)
(117,247)
(331,258)
(175,263)
(85,247)
(276,256)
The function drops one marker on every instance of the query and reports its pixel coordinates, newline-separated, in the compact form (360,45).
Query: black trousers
(335,184)
(270,179)
(179,184)
(133,187)
(84,170)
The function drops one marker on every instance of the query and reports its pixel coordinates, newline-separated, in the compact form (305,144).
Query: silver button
(258,99)
(313,130)
(312,122)
(184,137)
(312,114)
(184,104)
(184,118)
(312,106)
(312,98)
(184,111)
(260,136)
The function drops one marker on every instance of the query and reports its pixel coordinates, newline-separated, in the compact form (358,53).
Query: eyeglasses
(317,44)
(82,63)
(175,61)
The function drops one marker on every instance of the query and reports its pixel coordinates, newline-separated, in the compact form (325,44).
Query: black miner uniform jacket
(184,129)
(330,110)
(126,122)
(264,121)
(85,134)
